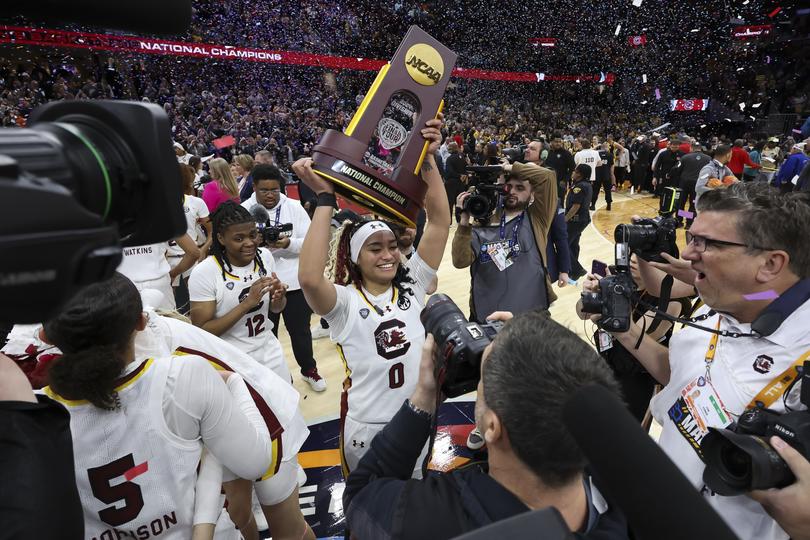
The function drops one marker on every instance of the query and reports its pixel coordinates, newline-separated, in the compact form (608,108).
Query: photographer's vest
(520,287)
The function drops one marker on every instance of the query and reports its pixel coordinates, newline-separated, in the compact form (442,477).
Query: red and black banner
(543,41)
(689,104)
(16,35)
(752,31)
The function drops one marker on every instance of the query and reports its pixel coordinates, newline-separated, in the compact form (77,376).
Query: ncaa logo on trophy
(376,161)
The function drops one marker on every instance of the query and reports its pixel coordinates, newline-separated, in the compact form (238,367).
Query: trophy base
(357,184)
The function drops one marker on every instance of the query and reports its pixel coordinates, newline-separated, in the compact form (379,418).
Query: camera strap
(440,376)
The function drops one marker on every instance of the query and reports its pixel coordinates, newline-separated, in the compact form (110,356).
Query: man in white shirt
(588,156)
(268,185)
(749,247)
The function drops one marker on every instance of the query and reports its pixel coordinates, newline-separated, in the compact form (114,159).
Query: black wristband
(327,199)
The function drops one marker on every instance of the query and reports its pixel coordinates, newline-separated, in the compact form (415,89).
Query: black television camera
(740,459)
(461,343)
(614,301)
(515,154)
(485,194)
(649,237)
(270,233)
(81,176)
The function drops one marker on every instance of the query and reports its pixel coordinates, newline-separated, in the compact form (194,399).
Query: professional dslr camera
(614,299)
(515,154)
(270,233)
(649,237)
(81,176)
(486,194)
(740,459)
(461,343)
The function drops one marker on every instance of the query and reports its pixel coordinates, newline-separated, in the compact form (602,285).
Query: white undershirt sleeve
(196,404)
(207,503)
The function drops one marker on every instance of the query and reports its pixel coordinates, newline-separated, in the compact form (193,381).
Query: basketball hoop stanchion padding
(376,162)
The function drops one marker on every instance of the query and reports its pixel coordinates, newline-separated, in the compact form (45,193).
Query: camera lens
(737,465)
(591,302)
(638,237)
(441,317)
(477,206)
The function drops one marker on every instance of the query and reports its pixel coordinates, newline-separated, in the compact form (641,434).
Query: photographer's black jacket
(381,501)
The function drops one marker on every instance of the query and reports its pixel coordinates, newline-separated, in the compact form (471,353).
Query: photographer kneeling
(750,249)
(527,372)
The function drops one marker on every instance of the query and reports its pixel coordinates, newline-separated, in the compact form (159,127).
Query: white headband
(362,234)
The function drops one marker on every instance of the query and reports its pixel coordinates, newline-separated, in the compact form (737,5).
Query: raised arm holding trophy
(376,161)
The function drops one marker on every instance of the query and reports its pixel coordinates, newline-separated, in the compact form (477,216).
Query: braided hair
(342,271)
(229,213)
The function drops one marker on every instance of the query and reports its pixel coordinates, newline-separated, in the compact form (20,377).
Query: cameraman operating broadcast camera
(749,248)
(526,375)
(507,248)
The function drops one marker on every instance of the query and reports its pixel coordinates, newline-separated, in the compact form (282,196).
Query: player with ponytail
(139,425)
(373,302)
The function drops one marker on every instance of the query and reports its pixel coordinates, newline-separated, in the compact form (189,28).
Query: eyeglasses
(701,243)
(268,191)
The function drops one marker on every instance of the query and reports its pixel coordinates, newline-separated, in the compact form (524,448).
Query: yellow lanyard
(779,385)
(710,352)
(774,389)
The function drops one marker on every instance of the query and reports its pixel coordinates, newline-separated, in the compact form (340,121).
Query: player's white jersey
(145,263)
(589,157)
(275,398)
(133,475)
(194,209)
(253,332)
(380,346)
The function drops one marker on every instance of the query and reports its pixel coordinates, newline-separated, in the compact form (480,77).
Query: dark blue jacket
(558,256)
(382,502)
(247,189)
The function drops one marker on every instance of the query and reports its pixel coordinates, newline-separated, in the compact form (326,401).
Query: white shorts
(276,488)
(162,285)
(272,357)
(355,441)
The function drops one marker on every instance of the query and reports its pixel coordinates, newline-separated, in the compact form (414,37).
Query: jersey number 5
(127,491)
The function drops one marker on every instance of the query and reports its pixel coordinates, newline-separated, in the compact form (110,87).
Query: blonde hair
(244,161)
(222,175)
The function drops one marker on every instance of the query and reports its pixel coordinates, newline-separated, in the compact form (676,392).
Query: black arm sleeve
(36,465)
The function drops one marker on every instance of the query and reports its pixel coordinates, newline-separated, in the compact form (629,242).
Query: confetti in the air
(618,29)
(644,78)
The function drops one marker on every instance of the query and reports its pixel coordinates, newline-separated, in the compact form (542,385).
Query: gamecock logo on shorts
(390,339)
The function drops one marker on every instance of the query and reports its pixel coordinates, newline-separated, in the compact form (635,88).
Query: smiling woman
(372,304)
(233,290)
